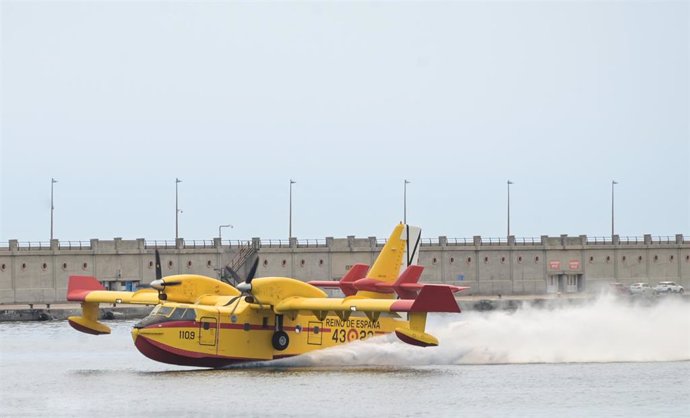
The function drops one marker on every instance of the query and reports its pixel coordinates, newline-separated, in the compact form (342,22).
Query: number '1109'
(186,335)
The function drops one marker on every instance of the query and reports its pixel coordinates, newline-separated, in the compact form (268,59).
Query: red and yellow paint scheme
(202,321)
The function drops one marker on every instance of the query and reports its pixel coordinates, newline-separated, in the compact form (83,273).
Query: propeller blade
(159,273)
(232,300)
(233,274)
(232,312)
(252,271)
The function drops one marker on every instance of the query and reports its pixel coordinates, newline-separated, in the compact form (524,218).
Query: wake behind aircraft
(202,321)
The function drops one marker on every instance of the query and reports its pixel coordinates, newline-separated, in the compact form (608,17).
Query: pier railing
(74,245)
(33,245)
(15,245)
(157,244)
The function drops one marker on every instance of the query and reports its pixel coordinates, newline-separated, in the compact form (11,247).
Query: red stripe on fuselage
(194,324)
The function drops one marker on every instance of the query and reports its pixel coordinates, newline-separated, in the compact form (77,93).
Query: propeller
(160,284)
(229,272)
(236,278)
(245,288)
(159,273)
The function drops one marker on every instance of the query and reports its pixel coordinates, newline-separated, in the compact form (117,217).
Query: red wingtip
(80,286)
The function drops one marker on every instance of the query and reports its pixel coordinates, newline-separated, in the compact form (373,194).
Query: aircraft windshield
(183,314)
(164,311)
(162,314)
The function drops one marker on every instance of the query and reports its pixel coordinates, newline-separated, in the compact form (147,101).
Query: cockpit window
(164,311)
(162,314)
(177,313)
(189,315)
(183,314)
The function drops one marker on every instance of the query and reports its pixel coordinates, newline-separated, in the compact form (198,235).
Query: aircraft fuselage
(217,336)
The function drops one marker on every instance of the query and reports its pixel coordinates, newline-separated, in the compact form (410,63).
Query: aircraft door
(208,330)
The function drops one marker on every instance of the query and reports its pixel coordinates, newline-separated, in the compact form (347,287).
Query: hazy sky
(117,99)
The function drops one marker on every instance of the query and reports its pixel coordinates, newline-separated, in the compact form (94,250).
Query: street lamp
(509,183)
(405,201)
(219,233)
(177,210)
(613,183)
(290,231)
(52,207)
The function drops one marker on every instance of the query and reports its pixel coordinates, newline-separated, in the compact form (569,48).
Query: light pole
(613,183)
(290,226)
(405,200)
(509,183)
(177,210)
(52,207)
(219,233)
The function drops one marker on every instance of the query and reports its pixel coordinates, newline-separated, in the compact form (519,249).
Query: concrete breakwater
(43,312)
(62,311)
(31,273)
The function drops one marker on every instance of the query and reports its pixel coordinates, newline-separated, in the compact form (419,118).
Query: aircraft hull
(207,342)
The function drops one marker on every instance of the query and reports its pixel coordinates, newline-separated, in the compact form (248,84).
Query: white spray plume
(605,330)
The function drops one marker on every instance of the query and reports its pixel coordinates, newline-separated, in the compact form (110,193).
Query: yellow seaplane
(202,321)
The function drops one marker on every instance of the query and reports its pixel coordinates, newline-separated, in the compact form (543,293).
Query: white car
(641,289)
(668,287)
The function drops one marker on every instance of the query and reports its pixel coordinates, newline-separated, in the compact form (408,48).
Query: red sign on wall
(574,264)
(555,265)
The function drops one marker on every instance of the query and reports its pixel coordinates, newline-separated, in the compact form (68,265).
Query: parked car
(668,287)
(641,289)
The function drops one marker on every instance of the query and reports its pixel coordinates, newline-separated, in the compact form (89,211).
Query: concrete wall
(39,275)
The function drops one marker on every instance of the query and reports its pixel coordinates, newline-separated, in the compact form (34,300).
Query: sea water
(606,358)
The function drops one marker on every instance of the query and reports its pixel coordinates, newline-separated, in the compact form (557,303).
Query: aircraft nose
(135,334)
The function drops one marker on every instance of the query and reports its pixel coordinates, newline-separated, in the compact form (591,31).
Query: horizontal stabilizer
(406,286)
(345,284)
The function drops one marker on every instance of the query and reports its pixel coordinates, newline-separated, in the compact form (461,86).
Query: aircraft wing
(330,304)
(430,299)
(88,289)
(183,288)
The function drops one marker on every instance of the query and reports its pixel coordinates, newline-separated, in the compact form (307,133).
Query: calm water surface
(49,370)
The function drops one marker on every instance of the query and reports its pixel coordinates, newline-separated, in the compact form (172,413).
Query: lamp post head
(52,180)
(614,182)
(510,182)
(292,181)
(177,180)
(407,181)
